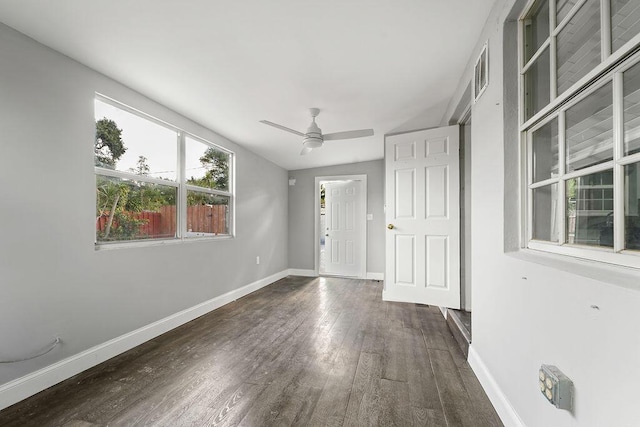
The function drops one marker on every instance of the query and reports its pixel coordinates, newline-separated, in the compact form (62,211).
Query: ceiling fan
(314,138)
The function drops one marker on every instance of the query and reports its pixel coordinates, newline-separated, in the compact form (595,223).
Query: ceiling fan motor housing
(313,137)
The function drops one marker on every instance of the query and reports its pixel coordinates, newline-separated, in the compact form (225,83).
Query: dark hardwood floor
(302,351)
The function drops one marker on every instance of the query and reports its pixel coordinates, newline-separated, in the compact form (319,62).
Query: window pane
(632,206)
(207,214)
(206,166)
(545,216)
(590,209)
(589,133)
(129,143)
(133,210)
(578,45)
(536,28)
(625,22)
(632,110)
(545,151)
(537,85)
(563,7)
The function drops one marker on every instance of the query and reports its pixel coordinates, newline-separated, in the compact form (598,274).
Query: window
(155,181)
(481,74)
(580,121)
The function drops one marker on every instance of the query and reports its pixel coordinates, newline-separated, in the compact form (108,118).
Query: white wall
(53,281)
(301,215)
(530,309)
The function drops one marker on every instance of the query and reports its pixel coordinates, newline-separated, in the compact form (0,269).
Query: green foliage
(217,176)
(119,200)
(142,168)
(108,146)
(197,198)
(111,198)
(149,197)
(125,227)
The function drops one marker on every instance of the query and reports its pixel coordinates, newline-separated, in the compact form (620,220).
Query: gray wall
(528,308)
(52,280)
(301,215)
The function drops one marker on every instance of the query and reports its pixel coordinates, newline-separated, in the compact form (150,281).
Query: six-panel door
(423,217)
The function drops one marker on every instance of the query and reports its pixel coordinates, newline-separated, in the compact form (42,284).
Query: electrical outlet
(257,260)
(556,387)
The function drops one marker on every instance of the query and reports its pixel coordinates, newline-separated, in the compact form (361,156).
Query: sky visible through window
(157,143)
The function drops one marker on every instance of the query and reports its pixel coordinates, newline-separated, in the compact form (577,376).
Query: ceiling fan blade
(275,125)
(348,134)
(305,151)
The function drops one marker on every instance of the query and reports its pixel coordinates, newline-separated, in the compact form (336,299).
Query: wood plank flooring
(302,351)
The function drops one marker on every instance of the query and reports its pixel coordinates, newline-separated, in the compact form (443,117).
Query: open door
(423,217)
(345,228)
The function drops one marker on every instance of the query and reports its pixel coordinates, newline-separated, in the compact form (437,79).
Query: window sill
(159,242)
(625,277)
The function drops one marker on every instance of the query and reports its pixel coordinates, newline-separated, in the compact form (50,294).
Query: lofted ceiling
(384,64)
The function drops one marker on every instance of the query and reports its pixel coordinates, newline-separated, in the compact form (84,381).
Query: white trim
(602,71)
(374,276)
(477,69)
(536,55)
(181,208)
(106,246)
(593,253)
(302,272)
(500,402)
(190,187)
(605,29)
(444,311)
(618,170)
(30,384)
(134,177)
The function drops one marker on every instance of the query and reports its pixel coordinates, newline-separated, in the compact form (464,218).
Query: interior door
(343,234)
(423,217)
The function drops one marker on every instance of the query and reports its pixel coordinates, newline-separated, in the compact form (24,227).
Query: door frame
(362,214)
(466,303)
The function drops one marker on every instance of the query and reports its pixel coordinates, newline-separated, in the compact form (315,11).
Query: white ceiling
(381,64)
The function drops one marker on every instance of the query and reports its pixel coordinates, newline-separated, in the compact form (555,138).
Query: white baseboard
(375,276)
(28,385)
(302,272)
(503,407)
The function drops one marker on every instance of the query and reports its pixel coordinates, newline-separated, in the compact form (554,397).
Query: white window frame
(182,235)
(610,69)
(481,69)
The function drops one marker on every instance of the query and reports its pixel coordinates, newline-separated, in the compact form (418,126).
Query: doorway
(340,231)
(460,320)
(465,213)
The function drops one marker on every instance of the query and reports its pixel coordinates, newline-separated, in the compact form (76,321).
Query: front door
(343,234)
(423,217)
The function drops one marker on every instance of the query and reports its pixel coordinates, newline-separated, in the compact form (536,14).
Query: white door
(344,228)
(423,217)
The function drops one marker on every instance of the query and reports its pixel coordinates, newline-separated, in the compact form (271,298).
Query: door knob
(327,235)
(391,226)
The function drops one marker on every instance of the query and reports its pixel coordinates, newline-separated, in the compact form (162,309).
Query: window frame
(610,70)
(480,70)
(180,184)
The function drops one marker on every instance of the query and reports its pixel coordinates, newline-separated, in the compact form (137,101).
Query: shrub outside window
(155,181)
(580,121)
